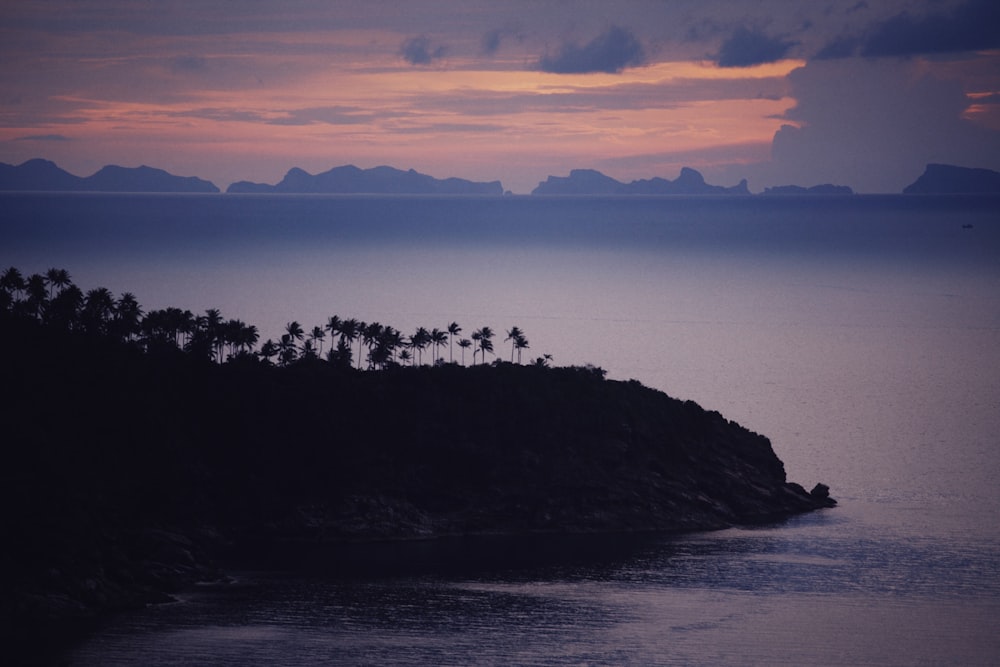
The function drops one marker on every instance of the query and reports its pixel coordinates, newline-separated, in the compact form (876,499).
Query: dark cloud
(419,51)
(746,48)
(611,52)
(491,41)
(970,26)
(44,137)
(842,47)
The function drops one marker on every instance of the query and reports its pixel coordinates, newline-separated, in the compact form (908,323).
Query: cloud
(611,52)
(419,51)
(746,48)
(970,26)
(875,126)
(44,137)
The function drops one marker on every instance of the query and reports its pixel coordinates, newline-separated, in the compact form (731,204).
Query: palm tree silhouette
(512,335)
(56,278)
(128,315)
(98,307)
(453,330)
(521,343)
(318,334)
(438,339)
(482,337)
(418,341)
(466,343)
(12,283)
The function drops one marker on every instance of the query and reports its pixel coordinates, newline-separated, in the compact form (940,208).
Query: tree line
(51,299)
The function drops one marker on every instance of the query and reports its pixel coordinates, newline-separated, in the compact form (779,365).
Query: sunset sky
(834,91)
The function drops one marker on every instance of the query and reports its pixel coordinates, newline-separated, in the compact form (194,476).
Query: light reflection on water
(804,592)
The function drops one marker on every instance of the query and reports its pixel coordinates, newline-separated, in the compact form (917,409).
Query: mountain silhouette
(349,179)
(941,179)
(592,182)
(44,175)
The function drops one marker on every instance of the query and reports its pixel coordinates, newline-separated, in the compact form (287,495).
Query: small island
(139,446)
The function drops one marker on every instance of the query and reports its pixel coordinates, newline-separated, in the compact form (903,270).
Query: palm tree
(359,335)
(56,278)
(512,335)
(287,352)
(246,337)
(128,314)
(64,309)
(269,349)
(12,281)
(482,337)
(418,341)
(438,339)
(333,325)
(521,343)
(466,343)
(317,334)
(37,298)
(370,336)
(453,330)
(349,331)
(98,306)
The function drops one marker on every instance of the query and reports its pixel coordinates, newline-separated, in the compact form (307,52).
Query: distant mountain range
(43,175)
(379,180)
(591,182)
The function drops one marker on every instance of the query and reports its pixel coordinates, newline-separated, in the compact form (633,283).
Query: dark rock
(948,179)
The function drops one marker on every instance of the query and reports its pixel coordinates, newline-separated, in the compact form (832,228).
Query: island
(43,175)
(140,447)
(824,189)
(944,179)
(592,182)
(350,179)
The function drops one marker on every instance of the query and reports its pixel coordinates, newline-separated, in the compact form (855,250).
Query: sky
(861,93)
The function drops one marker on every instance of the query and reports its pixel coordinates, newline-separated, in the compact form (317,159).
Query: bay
(861,334)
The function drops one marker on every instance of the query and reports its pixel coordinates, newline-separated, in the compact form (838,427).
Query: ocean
(860,334)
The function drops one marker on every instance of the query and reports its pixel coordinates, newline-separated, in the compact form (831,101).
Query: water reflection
(798,593)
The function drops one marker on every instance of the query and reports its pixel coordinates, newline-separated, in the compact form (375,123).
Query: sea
(861,334)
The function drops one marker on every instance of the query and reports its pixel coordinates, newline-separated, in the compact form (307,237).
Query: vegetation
(53,300)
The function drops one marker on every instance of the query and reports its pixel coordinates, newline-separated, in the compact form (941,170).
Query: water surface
(861,334)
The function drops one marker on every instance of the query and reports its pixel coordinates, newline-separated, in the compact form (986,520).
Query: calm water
(862,335)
